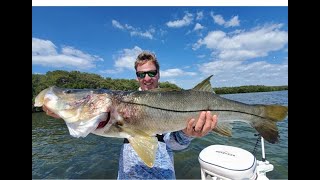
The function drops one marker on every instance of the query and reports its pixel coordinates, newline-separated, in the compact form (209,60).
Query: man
(130,165)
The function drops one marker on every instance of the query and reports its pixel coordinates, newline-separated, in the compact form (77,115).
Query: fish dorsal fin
(223,128)
(144,145)
(205,85)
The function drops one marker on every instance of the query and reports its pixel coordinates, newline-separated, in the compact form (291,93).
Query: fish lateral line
(199,110)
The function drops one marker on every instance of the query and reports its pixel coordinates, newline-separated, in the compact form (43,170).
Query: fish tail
(275,112)
(266,126)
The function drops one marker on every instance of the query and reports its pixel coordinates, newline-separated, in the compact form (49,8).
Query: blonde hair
(145,57)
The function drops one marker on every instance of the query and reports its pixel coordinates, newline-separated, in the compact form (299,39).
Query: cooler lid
(227,157)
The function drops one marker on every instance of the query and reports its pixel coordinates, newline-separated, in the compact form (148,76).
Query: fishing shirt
(132,167)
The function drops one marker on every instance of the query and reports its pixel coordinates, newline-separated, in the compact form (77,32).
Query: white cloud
(116,24)
(129,27)
(175,72)
(163,32)
(231,52)
(185,21)
(198,27)
(218,19)
(70,51)
(43,47)
(147,34)
(201,56)
(124,60)
(134,31)
(245,45)
(238,73)
(233,22)
(199,15)
(45,53)
(216,67)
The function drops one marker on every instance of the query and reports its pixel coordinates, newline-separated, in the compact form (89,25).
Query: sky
(238,45)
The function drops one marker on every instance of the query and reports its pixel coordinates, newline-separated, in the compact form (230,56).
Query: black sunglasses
(150,74)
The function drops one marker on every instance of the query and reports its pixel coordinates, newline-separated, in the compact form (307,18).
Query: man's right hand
(49,113)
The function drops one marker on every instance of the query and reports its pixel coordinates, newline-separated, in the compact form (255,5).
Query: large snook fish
(140,115)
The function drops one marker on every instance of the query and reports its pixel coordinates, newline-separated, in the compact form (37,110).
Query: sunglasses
(150,74)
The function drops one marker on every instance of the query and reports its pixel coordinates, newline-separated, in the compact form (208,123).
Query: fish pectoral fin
(145,147)
(223,128)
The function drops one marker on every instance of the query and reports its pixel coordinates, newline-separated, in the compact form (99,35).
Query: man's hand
(49,113)
(205,123)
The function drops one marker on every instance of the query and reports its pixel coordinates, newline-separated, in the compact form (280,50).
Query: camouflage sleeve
(177,140)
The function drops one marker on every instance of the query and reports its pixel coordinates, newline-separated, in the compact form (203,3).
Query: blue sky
(237,45)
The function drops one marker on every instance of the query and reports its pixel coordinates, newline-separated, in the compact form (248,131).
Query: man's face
(148,82)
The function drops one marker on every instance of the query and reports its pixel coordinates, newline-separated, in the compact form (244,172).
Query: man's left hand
(206,122)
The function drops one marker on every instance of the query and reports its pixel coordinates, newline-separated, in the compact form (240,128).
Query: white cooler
(227,162)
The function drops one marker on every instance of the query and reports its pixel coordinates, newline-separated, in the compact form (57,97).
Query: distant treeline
(81,80)
(247,89)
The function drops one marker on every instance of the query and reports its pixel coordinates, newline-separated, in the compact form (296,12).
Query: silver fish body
(161,112)
(139,115)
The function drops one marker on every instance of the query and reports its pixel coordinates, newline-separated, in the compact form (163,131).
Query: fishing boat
(222,162)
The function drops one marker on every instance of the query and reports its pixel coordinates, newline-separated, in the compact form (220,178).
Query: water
(56,154)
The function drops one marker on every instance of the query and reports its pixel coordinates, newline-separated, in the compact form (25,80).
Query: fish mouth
(104,123)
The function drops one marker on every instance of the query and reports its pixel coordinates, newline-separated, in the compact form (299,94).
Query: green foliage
(168,85)
(247,89)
